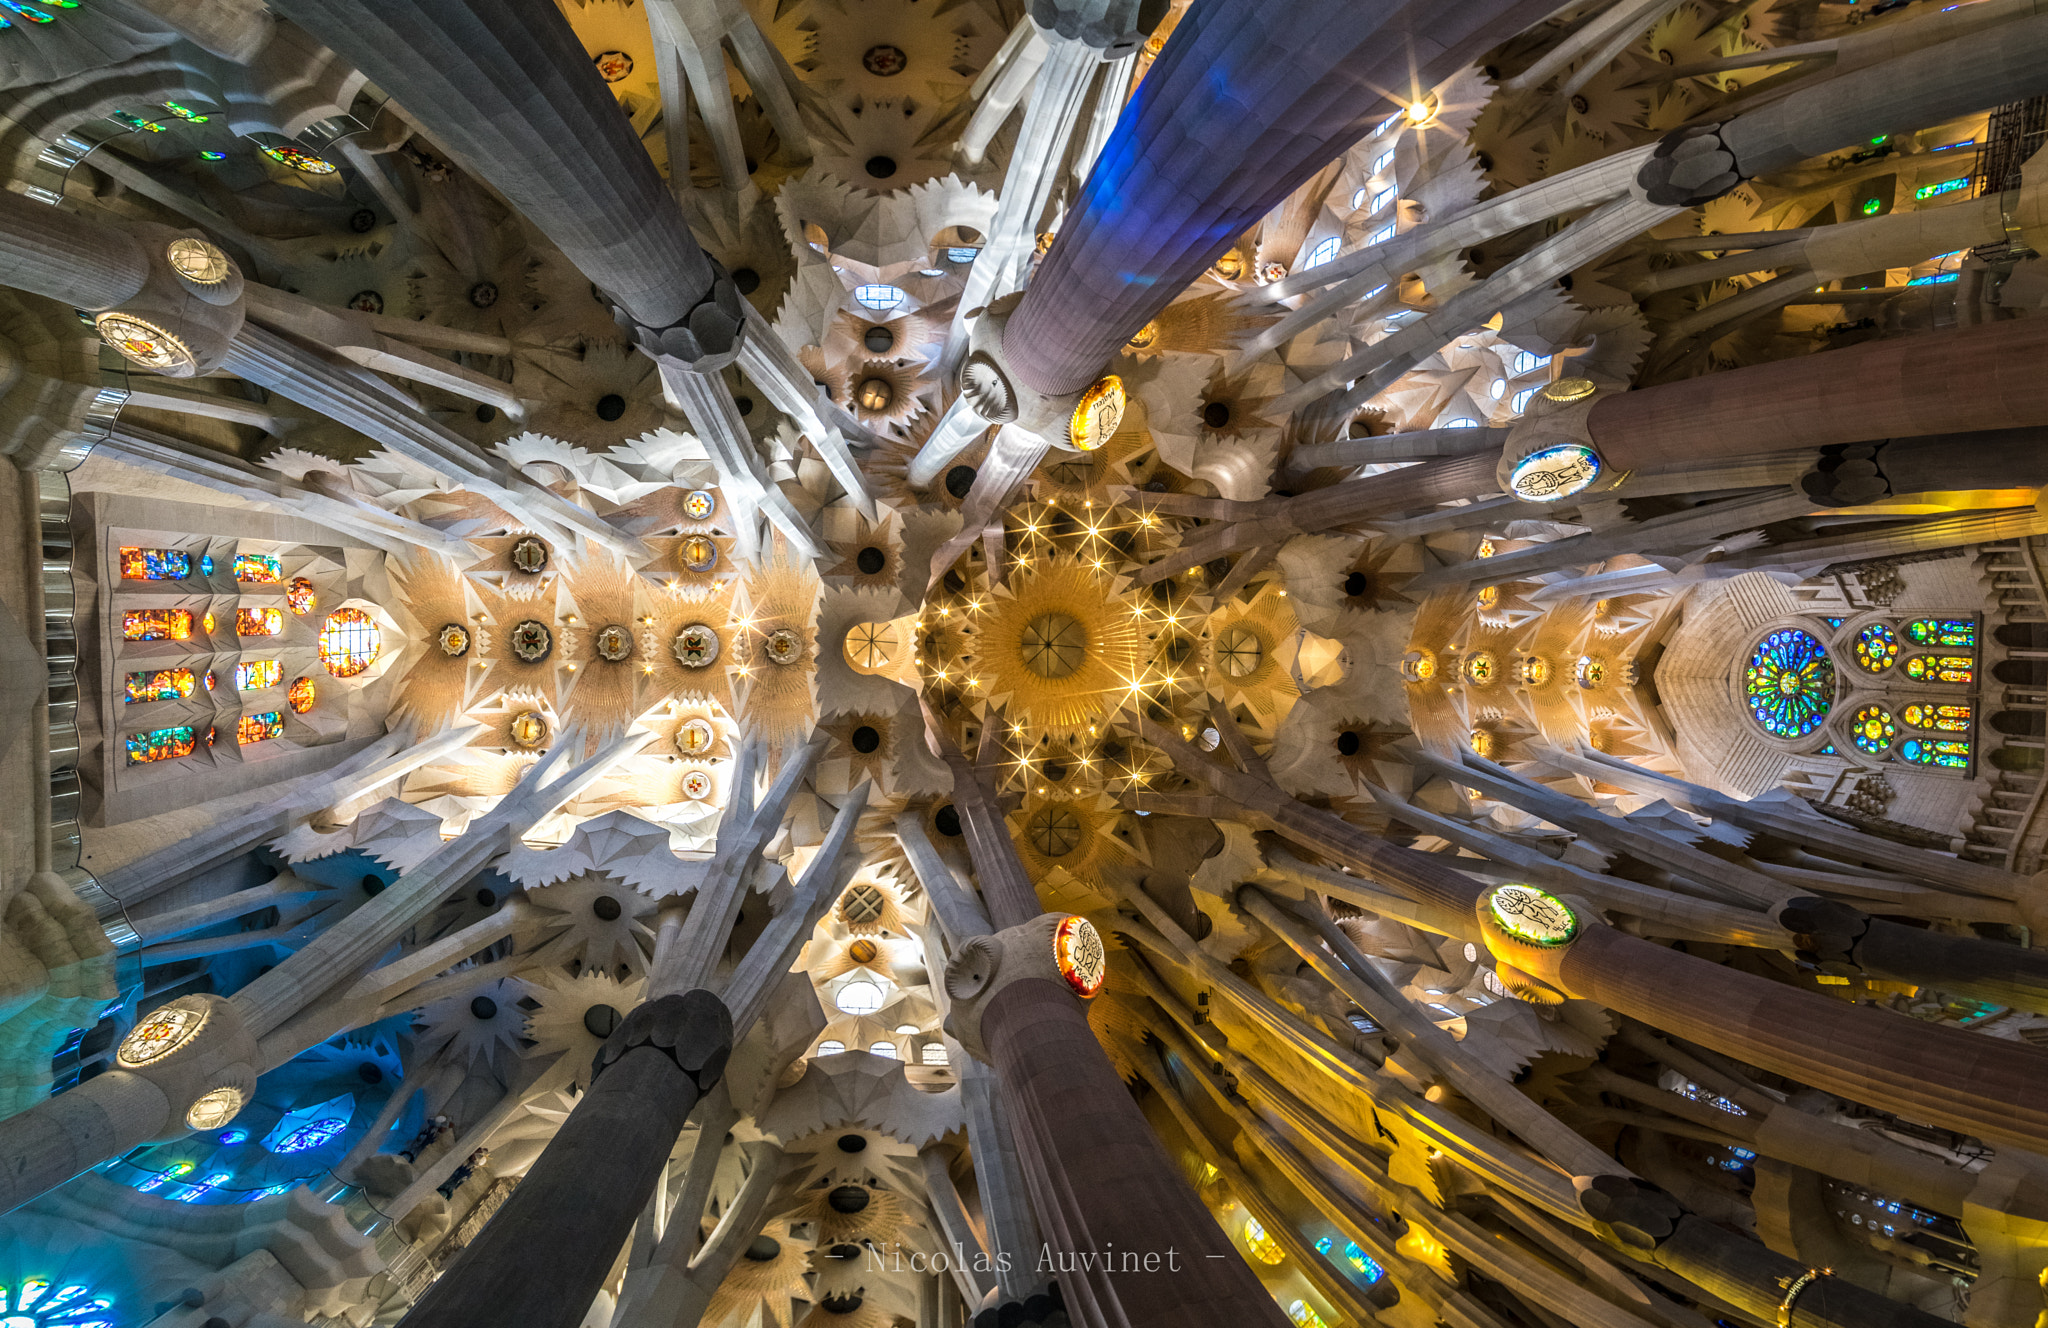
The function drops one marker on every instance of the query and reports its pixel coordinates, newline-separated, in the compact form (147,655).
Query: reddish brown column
(1103,1183)
(1955,381)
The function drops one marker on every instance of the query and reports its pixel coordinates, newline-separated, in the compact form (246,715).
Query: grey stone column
(506,86)
(554,1242)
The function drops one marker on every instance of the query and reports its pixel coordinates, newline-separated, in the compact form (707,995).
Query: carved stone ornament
(987,964)
(694,1030)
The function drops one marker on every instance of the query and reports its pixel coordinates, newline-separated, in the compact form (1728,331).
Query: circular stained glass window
(1877,646)
(1873,730)
(350,642)
(1789,683)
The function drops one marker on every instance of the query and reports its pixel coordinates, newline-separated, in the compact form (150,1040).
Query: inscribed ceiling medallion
(144,343)
(215,1108)
(453,639)
(699,504)
(613,66)
(529,729)
(196,261)
(697,554)
(614,643)
(696,646)
(695,737)
(1077,949)
(529,555)
(697,785)
(884,61)
(1553,473)
(1097,414)
(1532,916)
(161,1033)
(531,641)
(782,646)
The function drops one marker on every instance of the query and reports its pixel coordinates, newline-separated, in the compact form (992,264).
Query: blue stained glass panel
(1790,683)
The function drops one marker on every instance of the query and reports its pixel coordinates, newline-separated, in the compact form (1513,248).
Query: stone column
(1238,110)
(1954,381)
(506,86)
(554,1242)
(1099,1178)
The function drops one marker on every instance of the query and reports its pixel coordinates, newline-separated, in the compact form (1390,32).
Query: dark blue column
(1248,99)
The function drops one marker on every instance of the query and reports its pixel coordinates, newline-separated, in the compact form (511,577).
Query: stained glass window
(154,564)
(349,643)
(259,568)
(1954,633)
(1946,718)
(299,159)
(255,675)
(300,695)
(1873,730)
(1305,1317)
(1790,683)
(162,685)
(259,622)
(1361,1263)
(34,1305)
(160,745)
(298,597)
(1877,648)
(1941,668)
(1948,753)
(156,625)
(313,1134)
(259,728)
(1260,1242)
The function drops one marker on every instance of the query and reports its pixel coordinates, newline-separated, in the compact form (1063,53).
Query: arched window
(1948,753)
(831,1047)
(859,996)
(2016,723)
(1324,251)
(885,1049)
(878,296)
(161,685)
(1941,668)
(1945,633)
(933,1053)
(2021,672)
